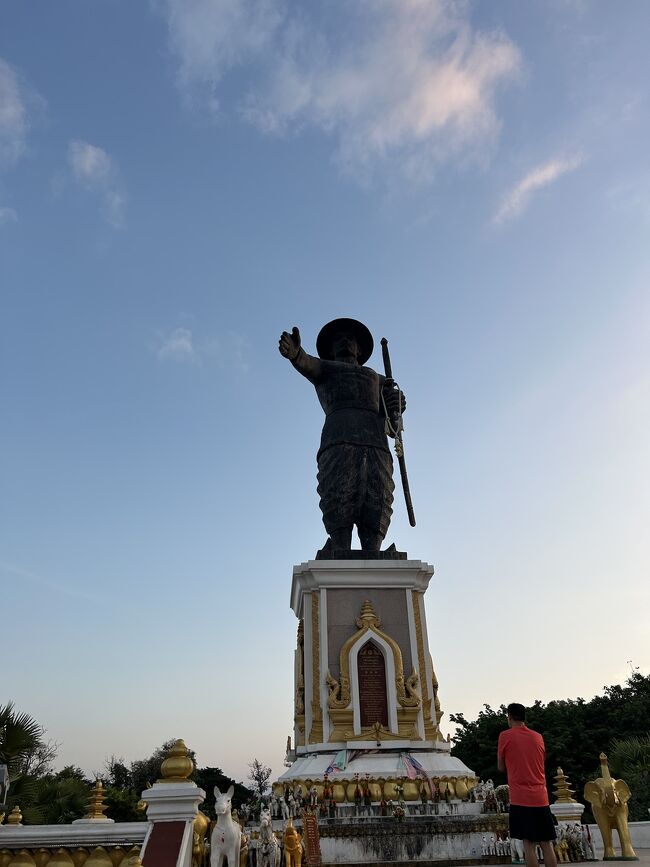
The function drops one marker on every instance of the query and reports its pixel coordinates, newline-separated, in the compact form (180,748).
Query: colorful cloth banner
(338,763)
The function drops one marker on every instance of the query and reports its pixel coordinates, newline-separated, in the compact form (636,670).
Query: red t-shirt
(523,751)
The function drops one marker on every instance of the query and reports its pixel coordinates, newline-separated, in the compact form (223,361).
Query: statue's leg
(377,501)
(341,538)
(338,490)
(370,539)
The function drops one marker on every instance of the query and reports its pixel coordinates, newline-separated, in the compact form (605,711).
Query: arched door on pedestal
(373,698)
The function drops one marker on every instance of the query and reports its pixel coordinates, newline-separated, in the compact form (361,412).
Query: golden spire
(562,791)
(178,765)
(95,806)
(367,618)
(15,817)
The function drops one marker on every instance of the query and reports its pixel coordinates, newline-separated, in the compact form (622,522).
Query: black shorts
(531,823)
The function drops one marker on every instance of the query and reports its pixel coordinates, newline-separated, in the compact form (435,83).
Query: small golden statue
(292,846)
(608,798)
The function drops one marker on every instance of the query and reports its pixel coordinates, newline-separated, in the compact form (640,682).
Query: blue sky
(181,181)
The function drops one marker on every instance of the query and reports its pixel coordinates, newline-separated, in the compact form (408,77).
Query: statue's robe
(355,467)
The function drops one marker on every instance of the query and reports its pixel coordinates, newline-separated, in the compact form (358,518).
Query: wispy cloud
(406,84)
(180,345)
(47,583)
(210,37)
(13,115)
(96,172)
(7,215)
(518,198)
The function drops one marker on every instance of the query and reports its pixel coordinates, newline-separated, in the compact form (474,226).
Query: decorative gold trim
(300,677)
(430,728)
(377,732)
(316,733)
(339,690)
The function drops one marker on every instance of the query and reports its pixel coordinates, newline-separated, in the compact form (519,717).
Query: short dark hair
(517,712)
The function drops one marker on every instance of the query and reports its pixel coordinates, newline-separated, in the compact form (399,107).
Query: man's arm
(290,348)
(501,757)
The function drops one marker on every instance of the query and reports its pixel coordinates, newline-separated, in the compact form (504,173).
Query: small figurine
(424,798)
(367,797)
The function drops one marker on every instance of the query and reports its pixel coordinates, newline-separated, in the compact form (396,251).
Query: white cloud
(228,351)
(405,82)
(178,345)
(210,37)
(518,198)
(13,115)
(96,172)
(7,215)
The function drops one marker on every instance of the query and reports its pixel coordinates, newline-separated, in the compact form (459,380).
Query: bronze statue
(355,467)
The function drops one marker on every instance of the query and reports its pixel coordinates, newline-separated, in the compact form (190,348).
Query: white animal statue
(284,808)
(516,850)
(226,836)
(268,852)
(292,806)
(587,844)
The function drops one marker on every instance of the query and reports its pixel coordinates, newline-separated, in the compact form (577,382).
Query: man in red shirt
(521,754)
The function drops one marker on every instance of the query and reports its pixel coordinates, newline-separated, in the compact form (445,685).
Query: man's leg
(530,854)
(549,854)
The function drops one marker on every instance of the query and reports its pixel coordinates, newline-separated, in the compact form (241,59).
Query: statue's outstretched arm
(290,348)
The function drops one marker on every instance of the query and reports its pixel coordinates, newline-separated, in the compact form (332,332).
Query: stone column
(172,807)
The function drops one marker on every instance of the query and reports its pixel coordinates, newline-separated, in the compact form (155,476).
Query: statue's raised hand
(290,343)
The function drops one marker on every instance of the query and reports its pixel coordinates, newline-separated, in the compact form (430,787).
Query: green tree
(20,738)
(629,759)
(259,776)
(61,798)
(575,731)
(208,778)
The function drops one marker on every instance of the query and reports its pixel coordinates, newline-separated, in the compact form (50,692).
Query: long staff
(396,424)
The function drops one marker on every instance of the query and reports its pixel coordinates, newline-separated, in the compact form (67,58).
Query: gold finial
(95,806)
(367,618)
(15,817)
(178,765)
(562,791)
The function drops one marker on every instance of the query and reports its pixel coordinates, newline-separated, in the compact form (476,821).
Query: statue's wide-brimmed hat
(352,326)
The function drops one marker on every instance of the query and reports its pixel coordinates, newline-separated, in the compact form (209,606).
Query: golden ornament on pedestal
(563,794)
(95,806)
(15,817)
(178,766)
